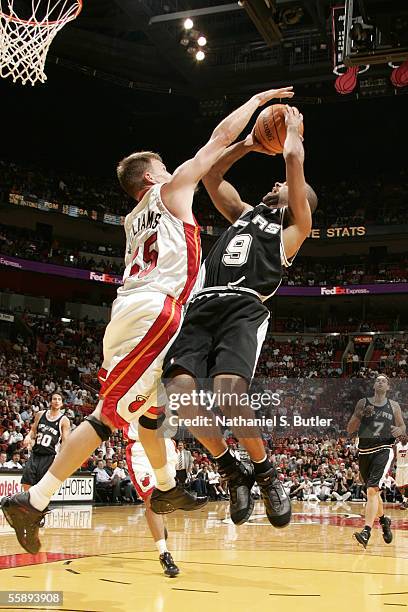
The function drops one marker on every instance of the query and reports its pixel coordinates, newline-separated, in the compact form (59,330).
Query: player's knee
(179,382)
(372,491)
(229,389)
(102,426)
(152,421)
(147,502)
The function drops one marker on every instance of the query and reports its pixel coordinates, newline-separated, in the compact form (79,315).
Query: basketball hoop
(24,43)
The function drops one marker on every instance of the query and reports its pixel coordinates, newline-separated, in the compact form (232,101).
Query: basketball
(270,128)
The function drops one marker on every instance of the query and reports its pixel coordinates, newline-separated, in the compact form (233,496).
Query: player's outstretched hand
(254,145)
(293,118)
(284,92)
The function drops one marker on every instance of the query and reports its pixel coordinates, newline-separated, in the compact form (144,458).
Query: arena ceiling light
(188,23)
(202,41)
(200,55)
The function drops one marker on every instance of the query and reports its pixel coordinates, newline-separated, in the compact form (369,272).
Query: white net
(26,37)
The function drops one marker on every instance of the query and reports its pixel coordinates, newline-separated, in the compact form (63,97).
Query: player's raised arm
(177,193)
(224,196)
(354,422)
(298,190)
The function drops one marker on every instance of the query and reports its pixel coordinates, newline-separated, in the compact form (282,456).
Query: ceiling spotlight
(184,41)
(200,55)
(202,41)
(188,24)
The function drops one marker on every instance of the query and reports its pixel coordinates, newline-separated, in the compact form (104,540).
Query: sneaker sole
(164,507)
(171,575)
(287,521)
(248,514)
(21,539)
(4,504)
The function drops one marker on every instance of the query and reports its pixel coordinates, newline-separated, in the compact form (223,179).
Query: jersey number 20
(43,439)
(237,251)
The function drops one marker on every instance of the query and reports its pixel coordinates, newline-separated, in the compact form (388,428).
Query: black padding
(151,423)
(103,431)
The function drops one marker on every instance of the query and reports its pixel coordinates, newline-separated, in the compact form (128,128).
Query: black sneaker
(240,479)
(177,498)
(170,568)
(385,523)
(24,519)
(362,537)
(277,503)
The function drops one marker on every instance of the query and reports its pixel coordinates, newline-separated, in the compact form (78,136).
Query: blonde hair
(131,169)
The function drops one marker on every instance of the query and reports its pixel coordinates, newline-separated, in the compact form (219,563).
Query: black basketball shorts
(35,468)
(374,466)
(221,334)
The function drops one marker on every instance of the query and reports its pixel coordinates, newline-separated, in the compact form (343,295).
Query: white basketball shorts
(140,470)
(401,477)
(143,326)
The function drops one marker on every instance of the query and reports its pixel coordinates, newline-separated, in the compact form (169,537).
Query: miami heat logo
(137,404)
(145,482)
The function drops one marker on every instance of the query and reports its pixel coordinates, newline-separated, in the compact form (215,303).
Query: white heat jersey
(162,252)
(402,455)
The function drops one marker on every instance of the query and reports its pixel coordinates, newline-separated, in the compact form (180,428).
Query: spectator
(184,463)
(14,463)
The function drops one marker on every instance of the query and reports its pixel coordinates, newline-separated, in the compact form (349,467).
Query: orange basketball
(270,128)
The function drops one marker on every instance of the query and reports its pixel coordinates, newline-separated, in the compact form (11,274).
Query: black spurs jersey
(375,430)
(48,435)
(249,255)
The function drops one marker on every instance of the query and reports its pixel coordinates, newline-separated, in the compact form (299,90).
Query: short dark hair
(130,171)
(272,200)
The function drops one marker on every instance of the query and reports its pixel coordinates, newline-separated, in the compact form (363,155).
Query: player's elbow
(303,222)
(222,137)
(351,428)
(294,156)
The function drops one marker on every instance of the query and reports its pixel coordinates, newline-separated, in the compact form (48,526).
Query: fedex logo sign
(343,290)
(332,291)
(105,278)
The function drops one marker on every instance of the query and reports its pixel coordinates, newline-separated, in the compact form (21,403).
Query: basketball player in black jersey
(226,323)
(378,421)
(48,429)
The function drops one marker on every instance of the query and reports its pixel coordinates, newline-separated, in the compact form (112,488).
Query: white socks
(161,546)
(41,493)
(165,478)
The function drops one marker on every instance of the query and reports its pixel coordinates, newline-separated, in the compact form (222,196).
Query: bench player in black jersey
(378,421)
(50,427)
(226,322)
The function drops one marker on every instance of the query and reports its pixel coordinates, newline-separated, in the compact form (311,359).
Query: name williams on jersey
(147,220)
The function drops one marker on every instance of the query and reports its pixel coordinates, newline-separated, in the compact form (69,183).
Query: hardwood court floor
(103,559)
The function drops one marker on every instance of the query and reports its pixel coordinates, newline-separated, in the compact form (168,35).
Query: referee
(378,421)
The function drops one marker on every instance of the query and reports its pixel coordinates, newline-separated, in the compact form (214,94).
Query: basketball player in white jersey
(162,262)
(143,478)
(401,477)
